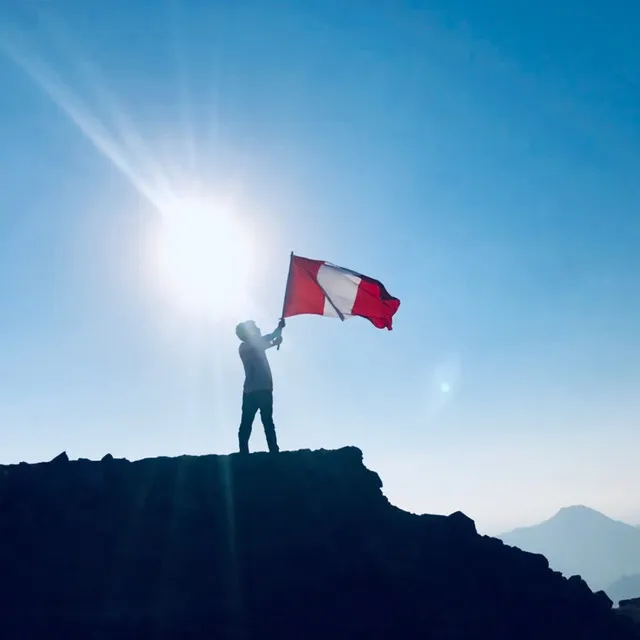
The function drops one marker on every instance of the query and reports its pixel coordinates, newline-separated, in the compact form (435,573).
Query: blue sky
(480,159)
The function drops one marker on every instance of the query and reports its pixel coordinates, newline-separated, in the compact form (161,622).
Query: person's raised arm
(274,343)
(275,337)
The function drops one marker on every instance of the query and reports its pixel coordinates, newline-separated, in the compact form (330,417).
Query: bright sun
(203,258)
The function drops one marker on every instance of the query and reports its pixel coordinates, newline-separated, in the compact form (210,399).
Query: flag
(321,288)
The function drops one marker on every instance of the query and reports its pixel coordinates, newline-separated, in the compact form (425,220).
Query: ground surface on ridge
(299,545)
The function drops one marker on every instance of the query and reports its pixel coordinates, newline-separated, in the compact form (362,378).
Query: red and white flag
(321,288)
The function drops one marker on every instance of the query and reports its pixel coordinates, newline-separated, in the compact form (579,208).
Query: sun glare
(203,258)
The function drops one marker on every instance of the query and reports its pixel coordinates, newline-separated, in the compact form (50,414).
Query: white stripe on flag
(341,287)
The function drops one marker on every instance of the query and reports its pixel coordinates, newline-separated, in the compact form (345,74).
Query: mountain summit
(294,545)
(580,540)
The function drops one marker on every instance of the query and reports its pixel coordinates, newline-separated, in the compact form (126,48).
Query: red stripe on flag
(304,295)
(374,303)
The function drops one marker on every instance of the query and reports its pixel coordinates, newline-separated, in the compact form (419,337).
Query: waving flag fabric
(321,288)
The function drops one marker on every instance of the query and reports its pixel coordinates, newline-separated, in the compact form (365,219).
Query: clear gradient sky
(159,160)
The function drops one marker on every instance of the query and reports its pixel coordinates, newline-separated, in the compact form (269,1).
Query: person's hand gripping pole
(281,325)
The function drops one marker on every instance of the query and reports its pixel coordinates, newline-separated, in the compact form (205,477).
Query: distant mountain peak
(580,540)
(578,508)
(580,511)
(586,516)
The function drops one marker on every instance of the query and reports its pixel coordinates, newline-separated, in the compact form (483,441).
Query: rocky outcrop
(296,545)
(631,609)
(626,588)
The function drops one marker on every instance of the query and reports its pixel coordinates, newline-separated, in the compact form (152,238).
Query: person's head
(247,331)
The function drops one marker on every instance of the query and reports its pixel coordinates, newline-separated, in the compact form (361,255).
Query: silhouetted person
(258,383)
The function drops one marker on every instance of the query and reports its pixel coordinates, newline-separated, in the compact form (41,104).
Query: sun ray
(132,144)
(202,252)
(87,123)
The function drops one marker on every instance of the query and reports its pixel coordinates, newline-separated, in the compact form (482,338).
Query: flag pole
(286,291)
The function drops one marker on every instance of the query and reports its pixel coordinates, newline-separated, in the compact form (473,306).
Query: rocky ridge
(300,544)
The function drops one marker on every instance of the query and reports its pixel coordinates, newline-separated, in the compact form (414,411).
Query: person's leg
(249,409)
(266,414)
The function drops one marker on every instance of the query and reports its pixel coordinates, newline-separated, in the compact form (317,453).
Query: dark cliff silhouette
(630,609)
(299,545)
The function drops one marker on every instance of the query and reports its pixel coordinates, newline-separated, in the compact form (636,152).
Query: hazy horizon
(481,160)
